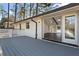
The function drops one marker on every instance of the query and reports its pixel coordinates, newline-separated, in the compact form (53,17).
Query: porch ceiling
(57,15)
(50,21)
(63,12)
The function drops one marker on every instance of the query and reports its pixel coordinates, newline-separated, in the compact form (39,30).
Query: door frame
(63,30)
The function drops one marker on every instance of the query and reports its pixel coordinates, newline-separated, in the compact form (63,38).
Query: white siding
(32,30)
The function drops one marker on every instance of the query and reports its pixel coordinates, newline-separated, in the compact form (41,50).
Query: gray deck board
(26,46)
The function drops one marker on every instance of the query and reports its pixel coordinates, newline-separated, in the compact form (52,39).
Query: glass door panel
(70,27)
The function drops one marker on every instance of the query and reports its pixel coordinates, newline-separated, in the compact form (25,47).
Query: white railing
(6,33)
(1,51)
(17,32)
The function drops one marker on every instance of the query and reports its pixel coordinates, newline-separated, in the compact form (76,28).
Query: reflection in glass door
(70,27)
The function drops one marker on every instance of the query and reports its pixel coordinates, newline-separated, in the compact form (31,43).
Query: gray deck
(26,46)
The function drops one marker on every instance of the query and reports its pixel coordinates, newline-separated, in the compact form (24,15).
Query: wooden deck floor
(26,46)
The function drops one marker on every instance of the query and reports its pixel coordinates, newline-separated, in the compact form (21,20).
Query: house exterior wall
(31,32)
(39,27)
(42,27)
(16,26)
(25,32)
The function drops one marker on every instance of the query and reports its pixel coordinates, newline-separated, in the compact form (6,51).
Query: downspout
(34,22)
(35,29)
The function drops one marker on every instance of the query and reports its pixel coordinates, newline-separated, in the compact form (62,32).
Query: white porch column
(63,28)
(78,28)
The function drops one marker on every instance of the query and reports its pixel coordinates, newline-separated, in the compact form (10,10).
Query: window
(27,25)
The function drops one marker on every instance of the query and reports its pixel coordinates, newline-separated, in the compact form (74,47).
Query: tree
(45,4)
(1,10)
(21,11)
(43,7)
(33,9)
